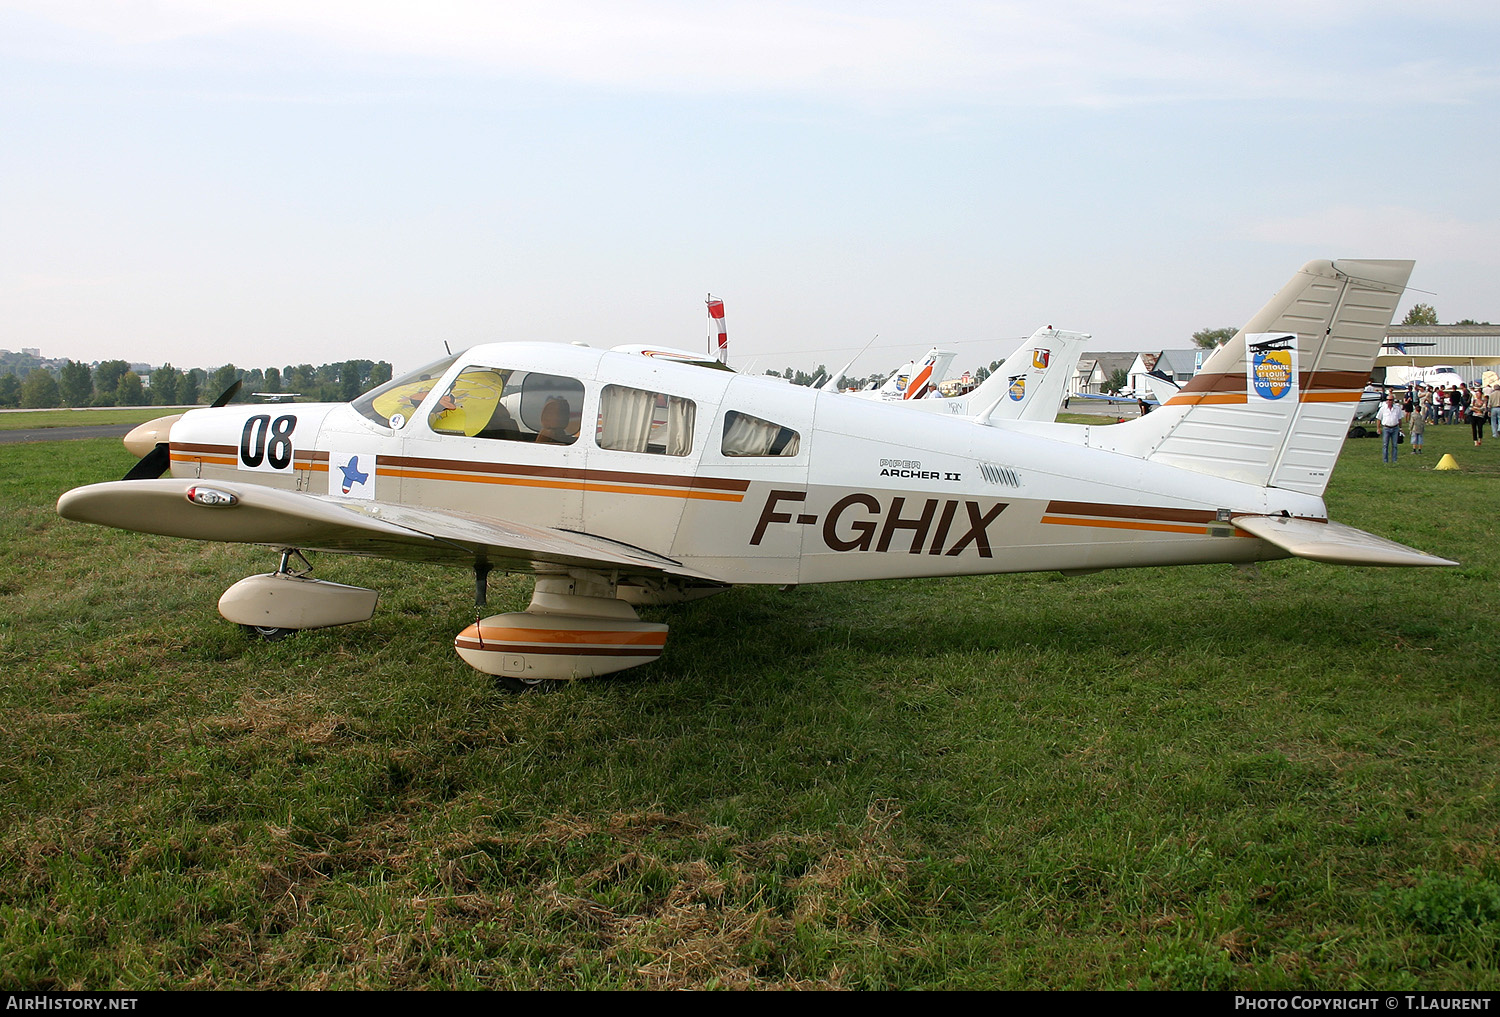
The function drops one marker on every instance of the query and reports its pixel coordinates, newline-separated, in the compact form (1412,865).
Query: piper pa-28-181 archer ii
(620,480)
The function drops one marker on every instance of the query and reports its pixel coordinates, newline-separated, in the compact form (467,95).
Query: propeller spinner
(149,440)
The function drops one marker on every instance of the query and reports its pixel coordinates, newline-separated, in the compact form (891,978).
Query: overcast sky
(285,181)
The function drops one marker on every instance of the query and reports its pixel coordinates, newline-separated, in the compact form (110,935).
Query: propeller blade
(228,394)
(152,465)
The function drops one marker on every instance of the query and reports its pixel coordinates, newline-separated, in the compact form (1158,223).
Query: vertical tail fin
(1272,405)
(1031,382)
(918,379)
(933,370)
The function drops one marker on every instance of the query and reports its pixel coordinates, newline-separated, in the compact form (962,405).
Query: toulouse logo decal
(1271,367)
(1273,373)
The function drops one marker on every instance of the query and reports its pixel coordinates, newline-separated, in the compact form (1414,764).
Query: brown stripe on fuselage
(560,473)
(451,469)
(218,450)
(1132,524)
(1148,518)
(1313,387)
(1214,383)
(1313,381)
(1085,508)
(655,490)
(1089,508)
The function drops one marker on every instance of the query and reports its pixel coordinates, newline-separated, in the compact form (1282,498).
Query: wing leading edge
(285,519)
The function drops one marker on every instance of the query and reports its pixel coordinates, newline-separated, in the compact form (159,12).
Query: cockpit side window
(745,435)
(510,405)
(634,420)
(392,404)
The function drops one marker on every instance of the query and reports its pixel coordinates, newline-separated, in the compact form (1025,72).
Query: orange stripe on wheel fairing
(605,637)
(549,649)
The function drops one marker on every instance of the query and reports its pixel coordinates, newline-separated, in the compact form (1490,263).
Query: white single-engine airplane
(619,479)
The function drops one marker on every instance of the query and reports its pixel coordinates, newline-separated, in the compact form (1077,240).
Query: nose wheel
(267,633)
(539,685)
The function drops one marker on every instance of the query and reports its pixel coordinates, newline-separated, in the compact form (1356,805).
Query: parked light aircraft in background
(1161,390)
(619,479)
(1369,402)
(1029,385)
(1441,376)
(915,380)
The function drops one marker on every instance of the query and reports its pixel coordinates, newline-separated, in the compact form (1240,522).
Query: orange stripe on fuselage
(561,485)
(1230,398)
(1331,397)
(1205,399)
(1117,524)
(187,457)
(697,488)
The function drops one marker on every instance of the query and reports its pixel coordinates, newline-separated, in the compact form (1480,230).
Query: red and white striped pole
(716,329)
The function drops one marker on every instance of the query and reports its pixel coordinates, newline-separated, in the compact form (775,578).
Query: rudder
(1272,405)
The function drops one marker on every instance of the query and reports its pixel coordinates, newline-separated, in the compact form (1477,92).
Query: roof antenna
(445,347)
(836,378)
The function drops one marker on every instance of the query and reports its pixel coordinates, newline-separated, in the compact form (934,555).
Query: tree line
(27,382)
(113,383)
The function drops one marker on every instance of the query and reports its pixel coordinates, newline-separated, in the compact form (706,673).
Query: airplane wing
(249,514)
(1333,542)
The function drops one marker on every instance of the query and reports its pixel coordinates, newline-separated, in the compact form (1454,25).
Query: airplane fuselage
(745,480)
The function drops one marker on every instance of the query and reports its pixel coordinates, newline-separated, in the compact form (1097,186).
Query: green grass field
(100,417)
(1162,778)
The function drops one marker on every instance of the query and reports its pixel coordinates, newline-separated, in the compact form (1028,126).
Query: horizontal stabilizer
(1333,542)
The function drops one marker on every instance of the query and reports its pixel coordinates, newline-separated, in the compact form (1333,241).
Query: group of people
(1418,405)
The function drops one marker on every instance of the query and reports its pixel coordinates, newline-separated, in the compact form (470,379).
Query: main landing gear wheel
(268,633)
(510,684)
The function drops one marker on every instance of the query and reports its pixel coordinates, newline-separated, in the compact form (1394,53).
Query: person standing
(1495,410)
(1416,423)
(1389,415)
(1479,412)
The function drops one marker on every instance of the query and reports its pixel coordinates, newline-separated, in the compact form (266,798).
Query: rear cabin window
(509,405)
(634,420)
(745,435)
